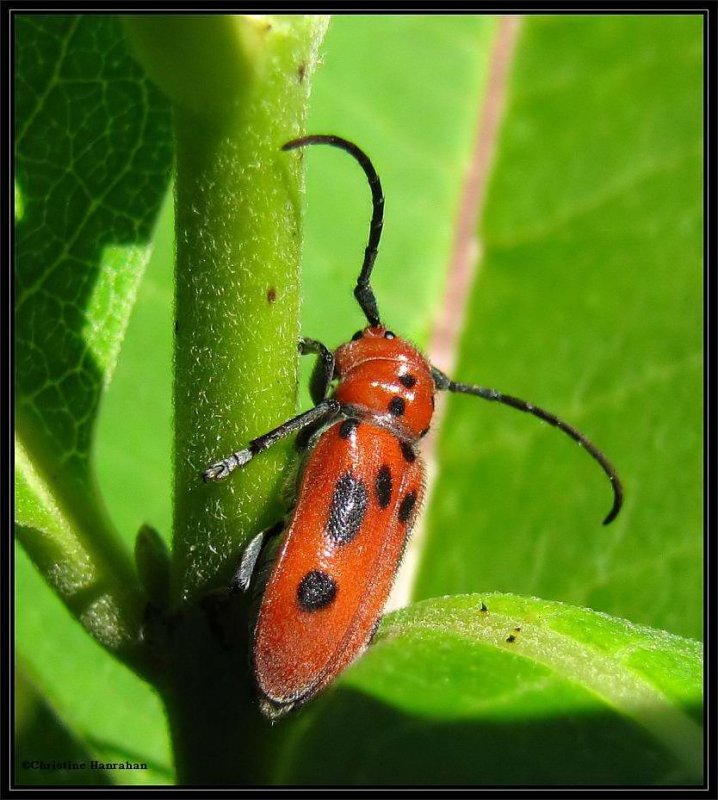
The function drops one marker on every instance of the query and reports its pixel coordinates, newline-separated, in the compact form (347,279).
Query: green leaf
(587,303)
(526,692)
(93,160)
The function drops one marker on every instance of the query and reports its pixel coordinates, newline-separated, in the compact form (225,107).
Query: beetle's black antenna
(363,291)
(443,382)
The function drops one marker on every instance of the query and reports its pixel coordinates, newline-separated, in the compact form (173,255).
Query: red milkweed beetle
(357,496)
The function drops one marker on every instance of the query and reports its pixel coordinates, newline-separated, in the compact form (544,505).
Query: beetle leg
(323,371)
(243,576)
(323,412)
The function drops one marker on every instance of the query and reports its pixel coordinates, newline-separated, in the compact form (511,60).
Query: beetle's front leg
(323,371)
(321,413)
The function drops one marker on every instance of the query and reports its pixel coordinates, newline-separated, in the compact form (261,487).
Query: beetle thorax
(388,380)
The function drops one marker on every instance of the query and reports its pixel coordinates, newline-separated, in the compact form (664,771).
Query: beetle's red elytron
(358,493)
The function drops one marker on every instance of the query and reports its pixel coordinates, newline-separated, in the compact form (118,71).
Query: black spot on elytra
(383,486)
(347,427)
(408,452)
(347,510)
(357,336)
(316,590)
(407,506)
(397,406)
(407,380)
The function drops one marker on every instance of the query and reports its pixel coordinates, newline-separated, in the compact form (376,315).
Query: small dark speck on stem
(301,71)
(271,294)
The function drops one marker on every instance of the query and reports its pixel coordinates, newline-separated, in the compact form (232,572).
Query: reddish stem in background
(466,249)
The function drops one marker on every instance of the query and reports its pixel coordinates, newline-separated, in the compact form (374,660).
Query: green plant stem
(236,334)
(237,306)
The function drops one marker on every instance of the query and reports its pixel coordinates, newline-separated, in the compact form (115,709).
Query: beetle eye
(357,335)
(390,335)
